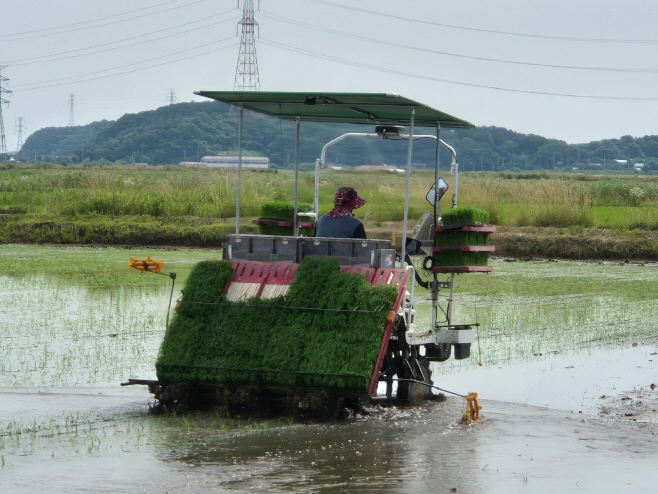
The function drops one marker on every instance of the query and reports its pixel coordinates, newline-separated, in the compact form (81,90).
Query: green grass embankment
(573,243)
(129,230)
(537,214)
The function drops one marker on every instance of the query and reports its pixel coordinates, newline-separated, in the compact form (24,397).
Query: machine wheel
(404,365)
(414,386)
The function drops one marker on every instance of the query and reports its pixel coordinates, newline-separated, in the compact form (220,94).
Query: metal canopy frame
(357,108)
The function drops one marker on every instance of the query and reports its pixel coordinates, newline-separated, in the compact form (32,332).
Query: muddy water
(514,448)
(66,425)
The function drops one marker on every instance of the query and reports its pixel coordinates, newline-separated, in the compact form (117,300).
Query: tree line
(188,131)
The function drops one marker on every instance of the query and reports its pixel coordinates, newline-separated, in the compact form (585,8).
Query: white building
(229,162)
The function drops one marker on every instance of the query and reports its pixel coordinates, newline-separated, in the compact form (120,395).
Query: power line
(438,52)
(123,66)
(46,116)
(87,22)
(124,72)
(79,23)
(34,60)
(490,31)
(448,81)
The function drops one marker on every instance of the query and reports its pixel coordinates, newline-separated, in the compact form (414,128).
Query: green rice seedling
(282,211)
(326,332)
(465,216)
(458,258)
(458,238)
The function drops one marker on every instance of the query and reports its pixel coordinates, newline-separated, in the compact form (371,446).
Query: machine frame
(409,346)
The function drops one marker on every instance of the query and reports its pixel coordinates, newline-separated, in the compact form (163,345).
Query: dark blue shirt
(342,227)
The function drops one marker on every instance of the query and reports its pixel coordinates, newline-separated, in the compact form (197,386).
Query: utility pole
(20,128)
(3,90)
(246,72)
(172,96)
(71,106)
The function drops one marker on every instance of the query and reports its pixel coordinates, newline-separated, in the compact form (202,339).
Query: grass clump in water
(325,337)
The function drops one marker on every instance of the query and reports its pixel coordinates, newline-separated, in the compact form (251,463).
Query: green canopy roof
(359,108)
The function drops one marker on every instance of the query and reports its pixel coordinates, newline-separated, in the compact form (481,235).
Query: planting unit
(300,325)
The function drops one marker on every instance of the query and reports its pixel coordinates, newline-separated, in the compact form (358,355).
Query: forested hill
(59,143)
(189,131)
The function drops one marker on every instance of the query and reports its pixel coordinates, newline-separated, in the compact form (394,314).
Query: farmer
(340,221)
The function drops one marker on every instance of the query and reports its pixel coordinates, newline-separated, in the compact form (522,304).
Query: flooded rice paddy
(568,353)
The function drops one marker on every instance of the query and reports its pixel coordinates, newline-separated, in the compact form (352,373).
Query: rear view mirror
(431,194)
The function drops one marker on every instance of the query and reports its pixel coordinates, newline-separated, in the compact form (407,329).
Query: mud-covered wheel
(393,367)
(404,365)
(414,384)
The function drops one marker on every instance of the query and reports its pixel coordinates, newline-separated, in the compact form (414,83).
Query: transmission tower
(3,142)
(20,127)
(71,106)
(172,96)
(246,73)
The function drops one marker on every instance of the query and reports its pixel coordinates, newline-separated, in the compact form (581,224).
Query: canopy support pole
(437,191)
(316,188)
(454,169)
(237,201)
(403,262)
(295,222)
(437,194)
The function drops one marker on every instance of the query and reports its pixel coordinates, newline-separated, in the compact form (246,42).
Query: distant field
(541,200)
(196,206)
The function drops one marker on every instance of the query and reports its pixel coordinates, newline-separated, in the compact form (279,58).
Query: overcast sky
(572,70)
